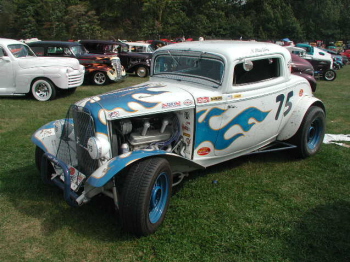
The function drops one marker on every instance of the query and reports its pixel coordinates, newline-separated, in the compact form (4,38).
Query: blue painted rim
(314,133)
(159,198)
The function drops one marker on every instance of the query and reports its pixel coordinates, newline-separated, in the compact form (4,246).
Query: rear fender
(117,164)
(297,117)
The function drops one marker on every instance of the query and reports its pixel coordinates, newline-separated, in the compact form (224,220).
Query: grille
(78,128)
(75,79)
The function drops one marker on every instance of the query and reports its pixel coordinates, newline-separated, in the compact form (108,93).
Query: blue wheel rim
(158,198)
(314,134)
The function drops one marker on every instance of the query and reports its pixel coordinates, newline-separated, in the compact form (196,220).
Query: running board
(275,146)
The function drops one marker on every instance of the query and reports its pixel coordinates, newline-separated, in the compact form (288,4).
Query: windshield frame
(191,64)
(23,50)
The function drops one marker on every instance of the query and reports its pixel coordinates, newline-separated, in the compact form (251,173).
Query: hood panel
(30,62)
(145,99)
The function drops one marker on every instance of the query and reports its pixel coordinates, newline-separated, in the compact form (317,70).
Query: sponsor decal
(201,100)
(171,104)
(188,141)
(184,127)
(187,115)
(203,151)
(113,114)
(301,92)
(216,98)
(188,102)
(72,171)
(187,134)
(237,96)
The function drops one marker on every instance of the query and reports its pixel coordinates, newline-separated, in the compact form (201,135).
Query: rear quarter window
(263,69)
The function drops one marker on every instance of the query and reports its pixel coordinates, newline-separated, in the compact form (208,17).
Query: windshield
(208,68)
(19,50)
(78,50)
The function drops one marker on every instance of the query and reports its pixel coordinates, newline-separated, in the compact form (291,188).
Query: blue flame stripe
(206,133)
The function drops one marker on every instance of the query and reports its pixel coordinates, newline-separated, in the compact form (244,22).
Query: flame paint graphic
(217,137)
(126,96)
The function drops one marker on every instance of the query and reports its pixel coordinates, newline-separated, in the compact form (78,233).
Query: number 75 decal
(288,105)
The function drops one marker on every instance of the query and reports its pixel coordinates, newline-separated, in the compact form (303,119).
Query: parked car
(100,69)
(138,47)
(22,72)
(303,68)
(206,102)
(320,60)
(138,63)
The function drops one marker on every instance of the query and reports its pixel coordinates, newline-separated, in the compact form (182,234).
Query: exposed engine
(161,131)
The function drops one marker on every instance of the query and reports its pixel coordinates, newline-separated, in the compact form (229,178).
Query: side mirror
(247,65)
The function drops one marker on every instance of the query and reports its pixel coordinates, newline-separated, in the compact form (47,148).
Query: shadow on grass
(27,193)
(323,234)
(97,219)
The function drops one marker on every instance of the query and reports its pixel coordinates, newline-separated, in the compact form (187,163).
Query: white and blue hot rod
(206,102)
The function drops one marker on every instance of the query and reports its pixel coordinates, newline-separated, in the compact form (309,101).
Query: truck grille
(75,79)
(78,128)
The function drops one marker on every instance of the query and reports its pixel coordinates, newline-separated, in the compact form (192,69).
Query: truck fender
(117,164)
(297,117)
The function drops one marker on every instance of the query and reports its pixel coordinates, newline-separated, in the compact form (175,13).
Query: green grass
(268,207)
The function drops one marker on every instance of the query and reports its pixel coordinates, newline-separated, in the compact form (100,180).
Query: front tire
(142,71)
(329,75)
(311,132)
(99,78)
(43,90)
(145,196)
(38,162)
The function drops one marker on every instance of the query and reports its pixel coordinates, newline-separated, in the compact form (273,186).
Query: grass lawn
(268,207)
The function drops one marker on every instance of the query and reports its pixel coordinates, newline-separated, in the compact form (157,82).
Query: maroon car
(302,67)
(99,68)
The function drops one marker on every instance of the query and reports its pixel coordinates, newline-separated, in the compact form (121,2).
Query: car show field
(267,207)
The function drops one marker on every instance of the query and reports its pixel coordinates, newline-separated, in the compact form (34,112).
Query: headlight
(69,70)
(97,147)
(64,128)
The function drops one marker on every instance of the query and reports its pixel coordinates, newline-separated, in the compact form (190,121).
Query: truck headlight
(97,147)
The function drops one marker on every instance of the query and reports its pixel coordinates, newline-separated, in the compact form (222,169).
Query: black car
(99,68)
(138,63)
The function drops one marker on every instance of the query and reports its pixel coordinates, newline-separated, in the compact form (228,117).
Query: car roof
(8,41)
(138,44)
(104,42)
(58,43)
(230,49)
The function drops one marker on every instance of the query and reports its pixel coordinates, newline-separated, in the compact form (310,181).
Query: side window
(55,51)
(263,69)
(39,51)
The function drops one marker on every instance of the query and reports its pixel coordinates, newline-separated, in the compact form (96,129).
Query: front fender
(117,164)
(297,116)
(45,138)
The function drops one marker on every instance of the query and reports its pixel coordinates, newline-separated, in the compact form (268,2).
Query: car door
(254,105)
(6,73)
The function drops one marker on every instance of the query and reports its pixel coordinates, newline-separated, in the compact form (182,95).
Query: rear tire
(145,196)
(310,135)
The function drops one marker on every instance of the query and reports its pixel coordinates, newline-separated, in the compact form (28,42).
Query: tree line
(299,20)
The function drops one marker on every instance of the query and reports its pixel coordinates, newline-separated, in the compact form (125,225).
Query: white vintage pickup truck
(21,72)
(206,102)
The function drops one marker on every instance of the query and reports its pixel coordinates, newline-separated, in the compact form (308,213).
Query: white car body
(17,73)
(206,102)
